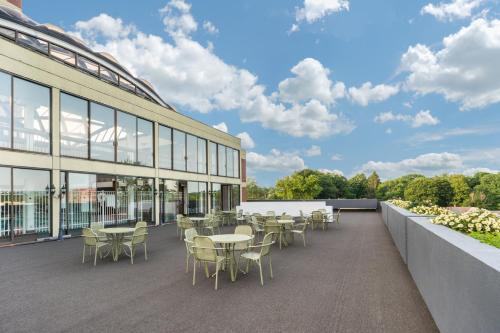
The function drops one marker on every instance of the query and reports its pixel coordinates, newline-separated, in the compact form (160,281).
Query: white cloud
(314,10)
(313,151)
(210,28)
(449,11)
(329,171)
(275,161)
(427,164)
(293,28)
(388,131)
(311,81)
(473,171)
(422,118)
(465,70)
(190,75)
(246,140)
(336,157)
(221,127)
(368,93)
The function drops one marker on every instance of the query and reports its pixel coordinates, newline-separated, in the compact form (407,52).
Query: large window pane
(81,193)
(31,116)
(126,200)
(108,206)
(192,153)
(216,196)
(31,201)
(222,160)
(202,156)
(179,151)
(126,128)
(145,200)
(171,200)
(229,161)
(5,110)
(197,196)
(102,132)
(5,183)
(213,158)
(74,126)
(236,163)
(165,147)
(145,142)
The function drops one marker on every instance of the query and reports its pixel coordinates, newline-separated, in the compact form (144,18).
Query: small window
(141,93)
(109,75)
(125,84)
(62,54)
(88,65)
(8,33)
(33,42)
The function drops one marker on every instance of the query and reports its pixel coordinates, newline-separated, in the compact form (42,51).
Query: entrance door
(181,207)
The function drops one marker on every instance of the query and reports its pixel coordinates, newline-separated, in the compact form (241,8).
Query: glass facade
(74,126)
(171,200)
(31,116)
(126,129)
(192,153)
(5,110)
(197,198)
(213,158)
(102,132)
(165,147)
(145,154)
(202,156)
(224,161)
(179,150)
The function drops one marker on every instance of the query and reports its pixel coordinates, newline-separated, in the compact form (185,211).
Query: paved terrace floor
(349,279)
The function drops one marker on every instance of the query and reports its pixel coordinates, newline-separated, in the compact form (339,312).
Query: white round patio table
(198,221)
(229,240)
(116,235)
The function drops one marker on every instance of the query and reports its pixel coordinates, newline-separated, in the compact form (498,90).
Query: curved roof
(58,33)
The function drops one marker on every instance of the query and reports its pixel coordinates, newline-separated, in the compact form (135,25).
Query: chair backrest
(140,235)
(204,249)
(271,213)
(185,223)
(257,214)
(89,237)
(178,217)
(266,244)
(243,230)
(190,234)
(141,224)
(317,216)
(337,217)
(322,210)
(286,217)
(274,228)
(240,213)
(96,226)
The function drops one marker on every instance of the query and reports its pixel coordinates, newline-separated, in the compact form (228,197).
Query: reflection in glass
(165,147)
(5,201)
(197,196)
(229,161)
(222,160)
(108,75)
(179,150)
(145,142)
(171,200)
(236,163)
(192,153)
(82,201)
(235,196)
(126,128)
(145,200)
(126,199)
(202,156)
(107,209)
(31,116)
(5,110)
(213,158)
(87,65)
(31,202)
(74,126)
(216,196)
(33,42)
(102,132)
(62,54)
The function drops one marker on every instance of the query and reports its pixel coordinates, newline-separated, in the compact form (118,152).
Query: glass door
(5,203)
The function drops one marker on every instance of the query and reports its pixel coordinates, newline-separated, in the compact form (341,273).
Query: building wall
(39,68)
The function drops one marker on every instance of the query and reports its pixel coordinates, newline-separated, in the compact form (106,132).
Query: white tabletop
(118,230)
(285,221)
(230,238)
(198,218)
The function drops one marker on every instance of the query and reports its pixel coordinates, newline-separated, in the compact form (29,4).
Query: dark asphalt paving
(349,279)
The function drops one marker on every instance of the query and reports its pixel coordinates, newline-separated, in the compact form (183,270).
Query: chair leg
(187,261)
(271,266)
(95,255)
(145,252)
(280,240)
(207,274)
(248,265)
(132,250)
(260,270)
(83,256)
(194,272)
(304,237)
(216,275)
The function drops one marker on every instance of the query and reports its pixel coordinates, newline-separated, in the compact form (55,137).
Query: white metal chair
(92,241)
(190,234)
(204,251)
(262,250)
(139,237)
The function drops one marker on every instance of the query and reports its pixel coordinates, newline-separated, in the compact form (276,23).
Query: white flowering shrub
(476,219)
(401,203)
(430,210)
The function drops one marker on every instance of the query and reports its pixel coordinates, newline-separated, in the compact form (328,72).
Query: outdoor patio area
(349,278)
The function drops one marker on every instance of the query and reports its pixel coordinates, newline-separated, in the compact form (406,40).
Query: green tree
(487,193)
(373,182)
(395,188)
(435,191)
(357,187)
(255,192)
(297,186)
(461,189)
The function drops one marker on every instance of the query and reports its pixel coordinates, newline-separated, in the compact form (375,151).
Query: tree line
(480,190)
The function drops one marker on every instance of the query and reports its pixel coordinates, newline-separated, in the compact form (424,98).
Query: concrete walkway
(349,279)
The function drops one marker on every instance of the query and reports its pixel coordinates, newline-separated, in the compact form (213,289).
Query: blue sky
(354,86)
